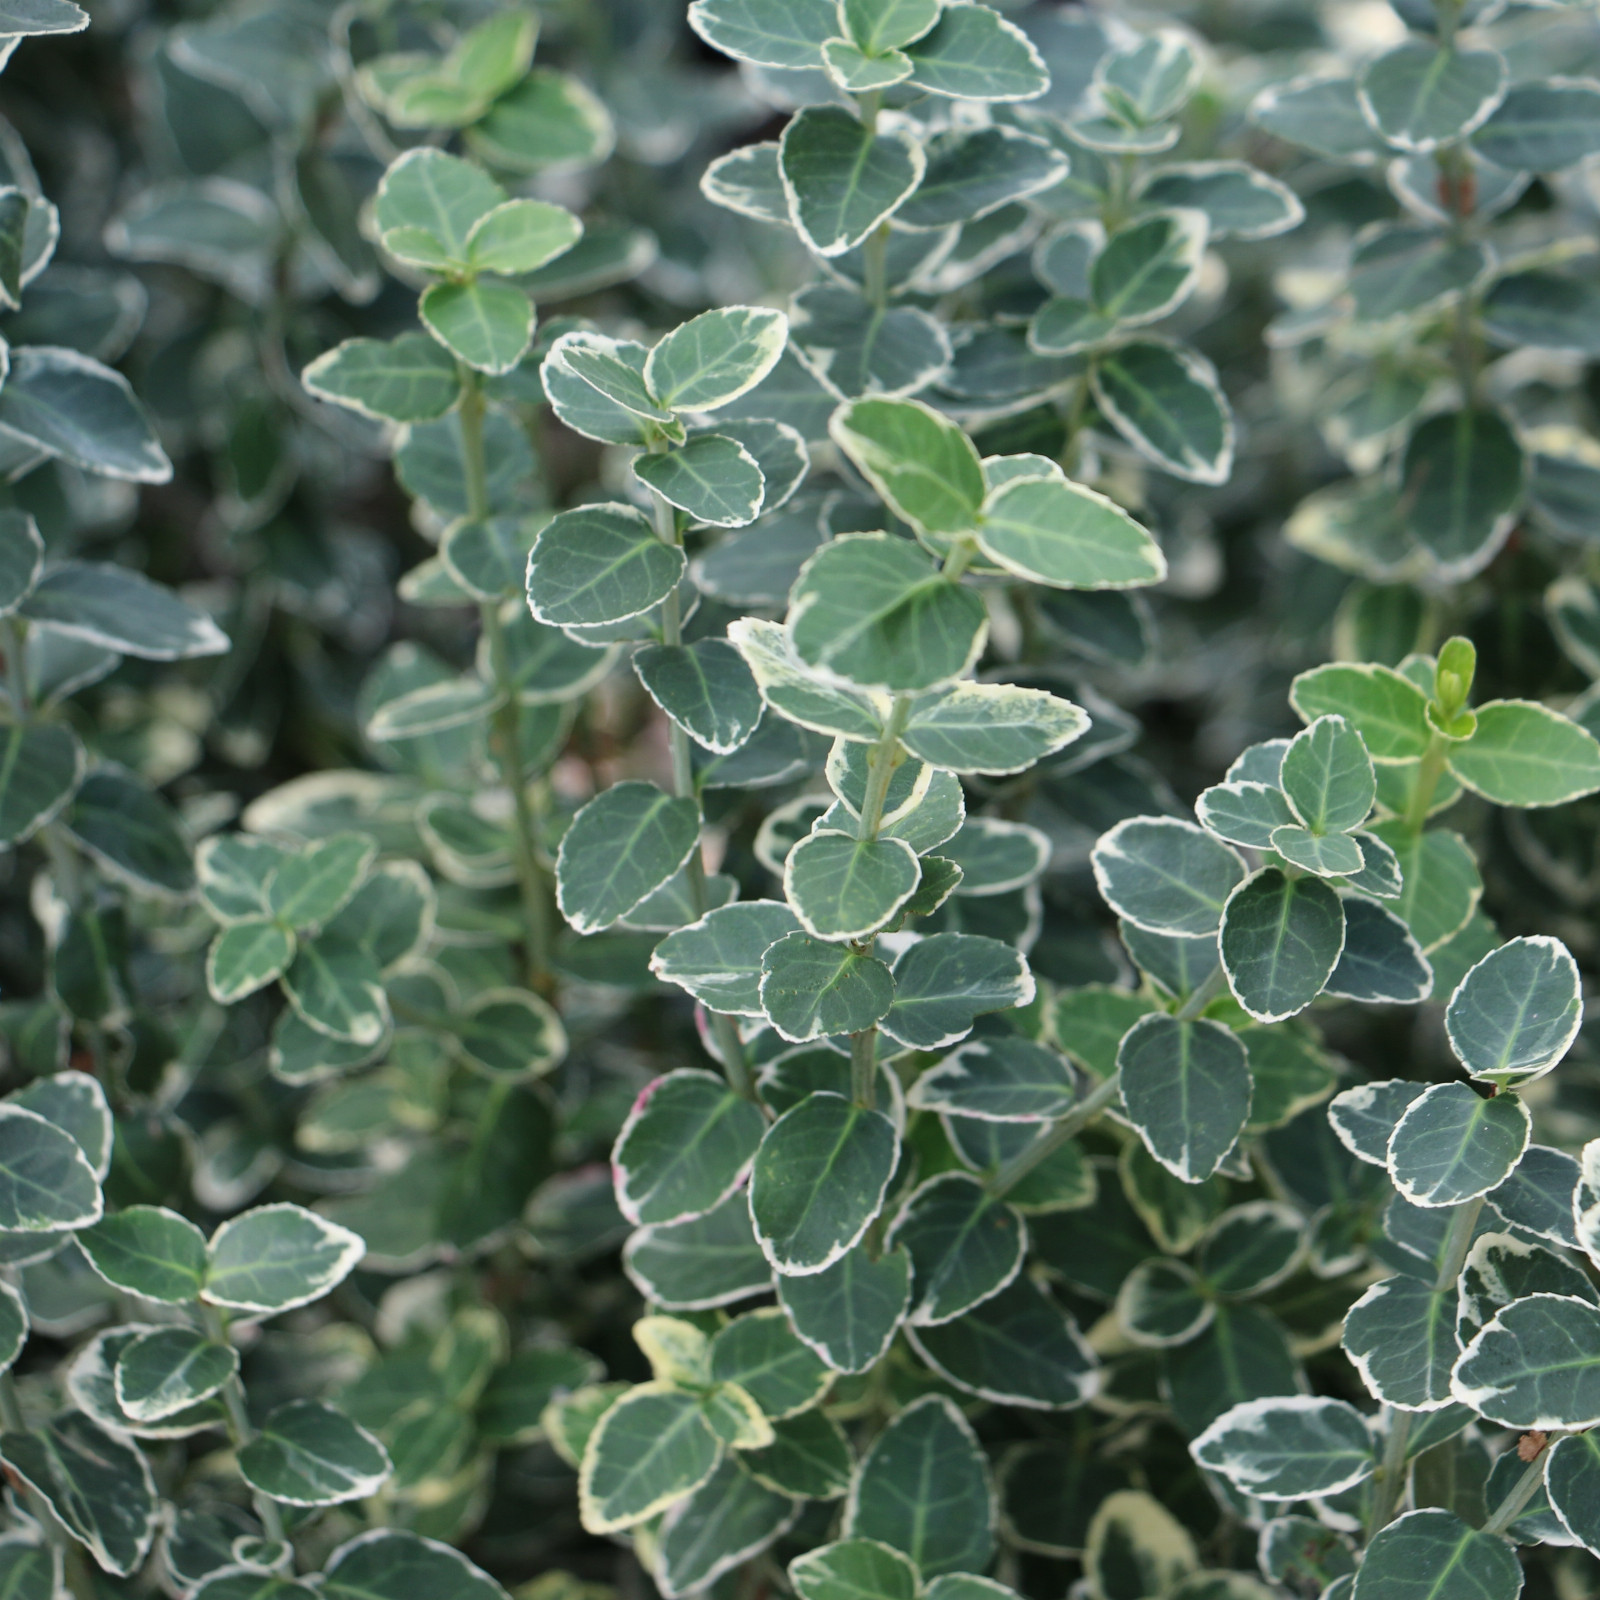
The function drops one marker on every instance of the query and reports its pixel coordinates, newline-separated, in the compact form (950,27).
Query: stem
(15,646)
(1391,1476)
(1216,981)
(884,759)
(531,877)
(1086,1110)
(238,1419)
(1428,775)
(507,722)
(723,1028)
(1526,1488)
(875,267)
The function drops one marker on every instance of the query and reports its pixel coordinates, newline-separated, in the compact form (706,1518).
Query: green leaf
(1463,481)
(41,765)
(809,1456)
(718,958)
(1016,1348)
(1148,267)
(1435,1553)
(1244,813)
(488,324)
(748,182)
(842,887)
(1239,202)
(1293,1447)
(1166,876)
(1421,95)
(729,1519)
(1517,1012)
(684,1148)
(1451,1145)
(1441,882)
(148,1251)
(875,610)
(108,605)
(771,33)
(997,1080)
(551,123)
(97,1485)
(761,1353)
(276,1257)
(406,379)
(310,887)
(132,833)
(245,957)
(1388,711)
(993,728)
(710,360)
(920,462)
(1166,402)
(508,1034)
(973,172)
(1059,533)
(30,1571)
(1401,1337)
(1523,754)
(599,564)
(841,178)
(520,236)
(654,1446)
(798,694)
(21,558)
(818,1181)
(73,408)
(596,386)
(621,847)
(1186,1087)
(848,1312)
(924,1489)
(810,989)
(1543,126)
(705,688)
(162,1372)
(309,1454)
(1281,938)
(1380,961)
(389,1564)
(1136,1546)
(13,1326)
(46,1180)
(965,1245)
(27,17)
(851,1569)
(1536,1365)
(973,53)
(1572,1479)
(428,203)
(336,988)
(75,1103)
(852,347)
(1327,777)
(715,479)
(944,982)
(996,856)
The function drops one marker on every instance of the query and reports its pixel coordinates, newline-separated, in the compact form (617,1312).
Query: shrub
(725,802)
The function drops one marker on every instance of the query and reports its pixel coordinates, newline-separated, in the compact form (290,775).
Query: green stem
(1527,1487)
(14,643)
(875,267)
(532,884)
(881,763)
(1086,1110)
(506,726)
(1390,1482)
(1429,772)
(238,1423)
(1216,981)
(723,1028)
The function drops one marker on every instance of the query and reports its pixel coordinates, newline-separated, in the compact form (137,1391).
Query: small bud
(1452,678)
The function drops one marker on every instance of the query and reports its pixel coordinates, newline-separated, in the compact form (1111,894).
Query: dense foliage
(797,800)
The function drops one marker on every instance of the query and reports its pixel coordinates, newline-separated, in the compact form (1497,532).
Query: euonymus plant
(796,801)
